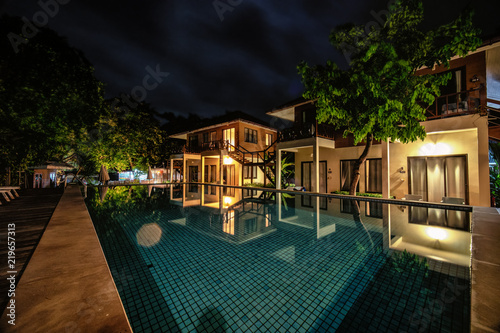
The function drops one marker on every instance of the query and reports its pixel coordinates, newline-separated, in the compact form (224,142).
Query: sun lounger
(11,188)
(412,197)
(4,193)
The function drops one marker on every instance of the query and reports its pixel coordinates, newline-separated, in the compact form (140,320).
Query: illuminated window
(229,138)
(435,177)
(269,139)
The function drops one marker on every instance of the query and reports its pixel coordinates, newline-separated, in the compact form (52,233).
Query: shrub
(268,185)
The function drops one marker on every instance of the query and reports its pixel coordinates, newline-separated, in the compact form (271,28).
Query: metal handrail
(468,106)
(493,113)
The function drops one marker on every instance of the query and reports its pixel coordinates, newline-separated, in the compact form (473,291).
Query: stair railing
(493,112)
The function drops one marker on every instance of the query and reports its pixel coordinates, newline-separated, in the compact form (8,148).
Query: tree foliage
(379,96)
(128,139)
(49,98)
(52,108)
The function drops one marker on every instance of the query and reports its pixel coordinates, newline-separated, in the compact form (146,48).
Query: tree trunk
(359,224)
(130,162)
(359,162)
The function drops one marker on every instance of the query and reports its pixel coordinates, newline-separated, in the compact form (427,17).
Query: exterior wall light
(436,233)
(227,201)
(474,79)
(439,148)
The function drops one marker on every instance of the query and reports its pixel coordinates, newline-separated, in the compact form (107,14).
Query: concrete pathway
(485,307)
(67,285)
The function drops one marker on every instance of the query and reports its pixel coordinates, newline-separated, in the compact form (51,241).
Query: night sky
(242,57)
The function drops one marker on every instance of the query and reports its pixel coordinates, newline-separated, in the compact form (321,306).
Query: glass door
(437,177)
(306,177)
(228,135)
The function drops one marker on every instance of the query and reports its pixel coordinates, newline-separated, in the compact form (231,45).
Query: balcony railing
(205,146)
(215,145)
(460,103)
(307,130)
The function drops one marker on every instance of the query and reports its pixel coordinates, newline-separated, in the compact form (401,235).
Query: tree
(49,97)
(127,138)
(52,108)
(379,96)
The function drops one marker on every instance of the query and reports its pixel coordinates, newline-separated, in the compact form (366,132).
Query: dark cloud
(247,61)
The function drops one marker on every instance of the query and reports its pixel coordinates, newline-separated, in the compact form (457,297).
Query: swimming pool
(194,258)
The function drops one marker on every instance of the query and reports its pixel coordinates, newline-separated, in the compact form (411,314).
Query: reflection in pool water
(186,257)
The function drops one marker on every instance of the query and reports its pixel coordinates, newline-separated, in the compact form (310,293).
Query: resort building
(234,149)
(50,175)
(452,161)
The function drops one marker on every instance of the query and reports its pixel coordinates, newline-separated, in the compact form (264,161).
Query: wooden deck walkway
(30,213)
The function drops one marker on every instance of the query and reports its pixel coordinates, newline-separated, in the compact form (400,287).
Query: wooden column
(315,185)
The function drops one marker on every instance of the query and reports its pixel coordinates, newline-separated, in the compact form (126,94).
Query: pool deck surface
(30,214)
(67,286)
(485,307)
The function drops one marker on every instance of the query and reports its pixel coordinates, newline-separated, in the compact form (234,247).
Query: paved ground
(30,212)
(67,286)
(485,310)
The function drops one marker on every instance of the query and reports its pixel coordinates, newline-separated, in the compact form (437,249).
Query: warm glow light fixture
(228,160)
(439,148)
(227,201)
(436,233)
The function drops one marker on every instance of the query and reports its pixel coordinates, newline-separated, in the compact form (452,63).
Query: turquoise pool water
(210,259)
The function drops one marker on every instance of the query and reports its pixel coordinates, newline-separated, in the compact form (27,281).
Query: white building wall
(493,73)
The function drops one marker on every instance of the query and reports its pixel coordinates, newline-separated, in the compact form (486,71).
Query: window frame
(247,174)
(269,139)
(367,174)
(251,135)
(347,160)
(426,157)
(195,139)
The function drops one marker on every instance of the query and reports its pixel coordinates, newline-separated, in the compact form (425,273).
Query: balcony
(460,103)
(214,145)
(307,130)
(206,146)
